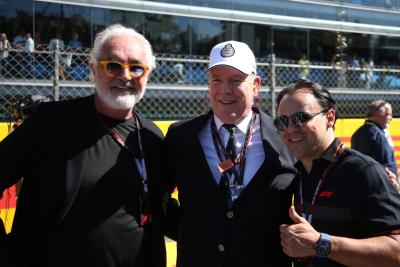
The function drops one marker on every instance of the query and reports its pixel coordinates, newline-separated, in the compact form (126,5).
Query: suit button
(221,248)
(229,214)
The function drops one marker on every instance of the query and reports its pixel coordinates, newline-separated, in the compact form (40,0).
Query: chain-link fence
(177,88)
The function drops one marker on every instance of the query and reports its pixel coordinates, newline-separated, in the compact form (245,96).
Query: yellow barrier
(344,129)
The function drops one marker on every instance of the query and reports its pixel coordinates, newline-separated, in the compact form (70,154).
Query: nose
(125,74)
(227,88)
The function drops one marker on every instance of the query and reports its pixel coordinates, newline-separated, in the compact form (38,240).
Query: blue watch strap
(323,247)
(325,236)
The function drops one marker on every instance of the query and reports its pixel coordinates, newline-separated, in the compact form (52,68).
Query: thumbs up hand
(299,238)
(295,216)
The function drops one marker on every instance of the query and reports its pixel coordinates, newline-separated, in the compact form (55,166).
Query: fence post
(272,85)
(56,82)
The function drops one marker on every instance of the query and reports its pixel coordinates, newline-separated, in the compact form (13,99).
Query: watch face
(323,248)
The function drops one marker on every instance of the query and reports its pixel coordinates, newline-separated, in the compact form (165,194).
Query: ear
(256,86)
(331,117)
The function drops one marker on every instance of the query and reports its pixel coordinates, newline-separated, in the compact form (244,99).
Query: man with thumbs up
(346,212)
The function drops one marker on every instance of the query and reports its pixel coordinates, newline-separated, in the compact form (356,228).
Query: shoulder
(360,164)
(184,126)
(368,132)
(56,108)
(70,114)
(369,180)
(150,128)
(362,130)
(267,120)
(355,157)
(270,134)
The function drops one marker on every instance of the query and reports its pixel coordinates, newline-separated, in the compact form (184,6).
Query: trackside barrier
(344,129)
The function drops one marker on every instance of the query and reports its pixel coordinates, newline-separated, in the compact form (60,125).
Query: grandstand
(352,47)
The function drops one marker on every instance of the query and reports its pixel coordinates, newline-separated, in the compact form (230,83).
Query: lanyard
(140,163)
(145,213)
(226,163)
(339,151)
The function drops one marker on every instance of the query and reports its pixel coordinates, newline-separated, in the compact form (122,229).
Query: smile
(122,88)
(296,139)
(226,102)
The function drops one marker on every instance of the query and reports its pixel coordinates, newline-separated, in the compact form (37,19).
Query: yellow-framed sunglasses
(114,68)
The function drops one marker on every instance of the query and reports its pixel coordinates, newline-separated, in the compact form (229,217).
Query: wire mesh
(177,88)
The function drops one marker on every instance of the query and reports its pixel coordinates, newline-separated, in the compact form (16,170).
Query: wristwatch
(323,246)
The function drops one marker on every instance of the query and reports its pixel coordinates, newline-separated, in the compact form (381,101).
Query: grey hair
(375,106)
(119,30)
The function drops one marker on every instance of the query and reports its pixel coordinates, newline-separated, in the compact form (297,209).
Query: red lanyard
(308,217)
(140,164)
(241,159)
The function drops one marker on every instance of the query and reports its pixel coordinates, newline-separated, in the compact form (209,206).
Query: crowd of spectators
(24,53)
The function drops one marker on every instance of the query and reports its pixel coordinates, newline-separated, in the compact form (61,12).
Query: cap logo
(227,51)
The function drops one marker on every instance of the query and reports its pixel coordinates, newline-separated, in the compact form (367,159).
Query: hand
(298,239)
(393,179)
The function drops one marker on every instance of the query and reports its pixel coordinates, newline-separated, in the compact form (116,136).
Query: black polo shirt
(356,199)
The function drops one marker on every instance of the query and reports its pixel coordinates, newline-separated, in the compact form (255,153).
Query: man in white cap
(231,170)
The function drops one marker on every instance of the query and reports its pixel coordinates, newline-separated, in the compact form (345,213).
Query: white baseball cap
(235,54)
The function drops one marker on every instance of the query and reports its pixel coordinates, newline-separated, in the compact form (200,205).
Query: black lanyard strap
(223,154)
(145,202)
(308,216)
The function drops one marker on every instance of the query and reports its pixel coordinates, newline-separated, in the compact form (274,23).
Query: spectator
(363,73)
(370,73)
(178,72)
(27,66)
(355,63)
(354,71)
(19,40)
(53,44)
(304,67)
(370,139)
(29,43)
(40,44)
(346,212)
(5,46)
(57,40)
(74,43)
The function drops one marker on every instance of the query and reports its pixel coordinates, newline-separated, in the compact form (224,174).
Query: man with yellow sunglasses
(91,191)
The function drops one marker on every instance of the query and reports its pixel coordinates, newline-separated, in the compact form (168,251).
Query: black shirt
(102,227)
(356,199)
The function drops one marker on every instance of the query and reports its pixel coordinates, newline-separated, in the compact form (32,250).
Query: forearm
(382,251)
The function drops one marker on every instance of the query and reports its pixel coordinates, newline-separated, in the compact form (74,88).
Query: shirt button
(221,248)
(229,214)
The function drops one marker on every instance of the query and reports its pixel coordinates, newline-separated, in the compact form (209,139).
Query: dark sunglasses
(114,68)
(298,119)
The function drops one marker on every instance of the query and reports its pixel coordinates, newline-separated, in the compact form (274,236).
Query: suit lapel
(269,167)
(196,153)
(269,136)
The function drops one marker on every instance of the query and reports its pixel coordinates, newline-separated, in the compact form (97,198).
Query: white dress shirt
(255,151)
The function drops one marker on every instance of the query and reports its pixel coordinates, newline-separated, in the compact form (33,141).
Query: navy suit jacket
(207,234)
